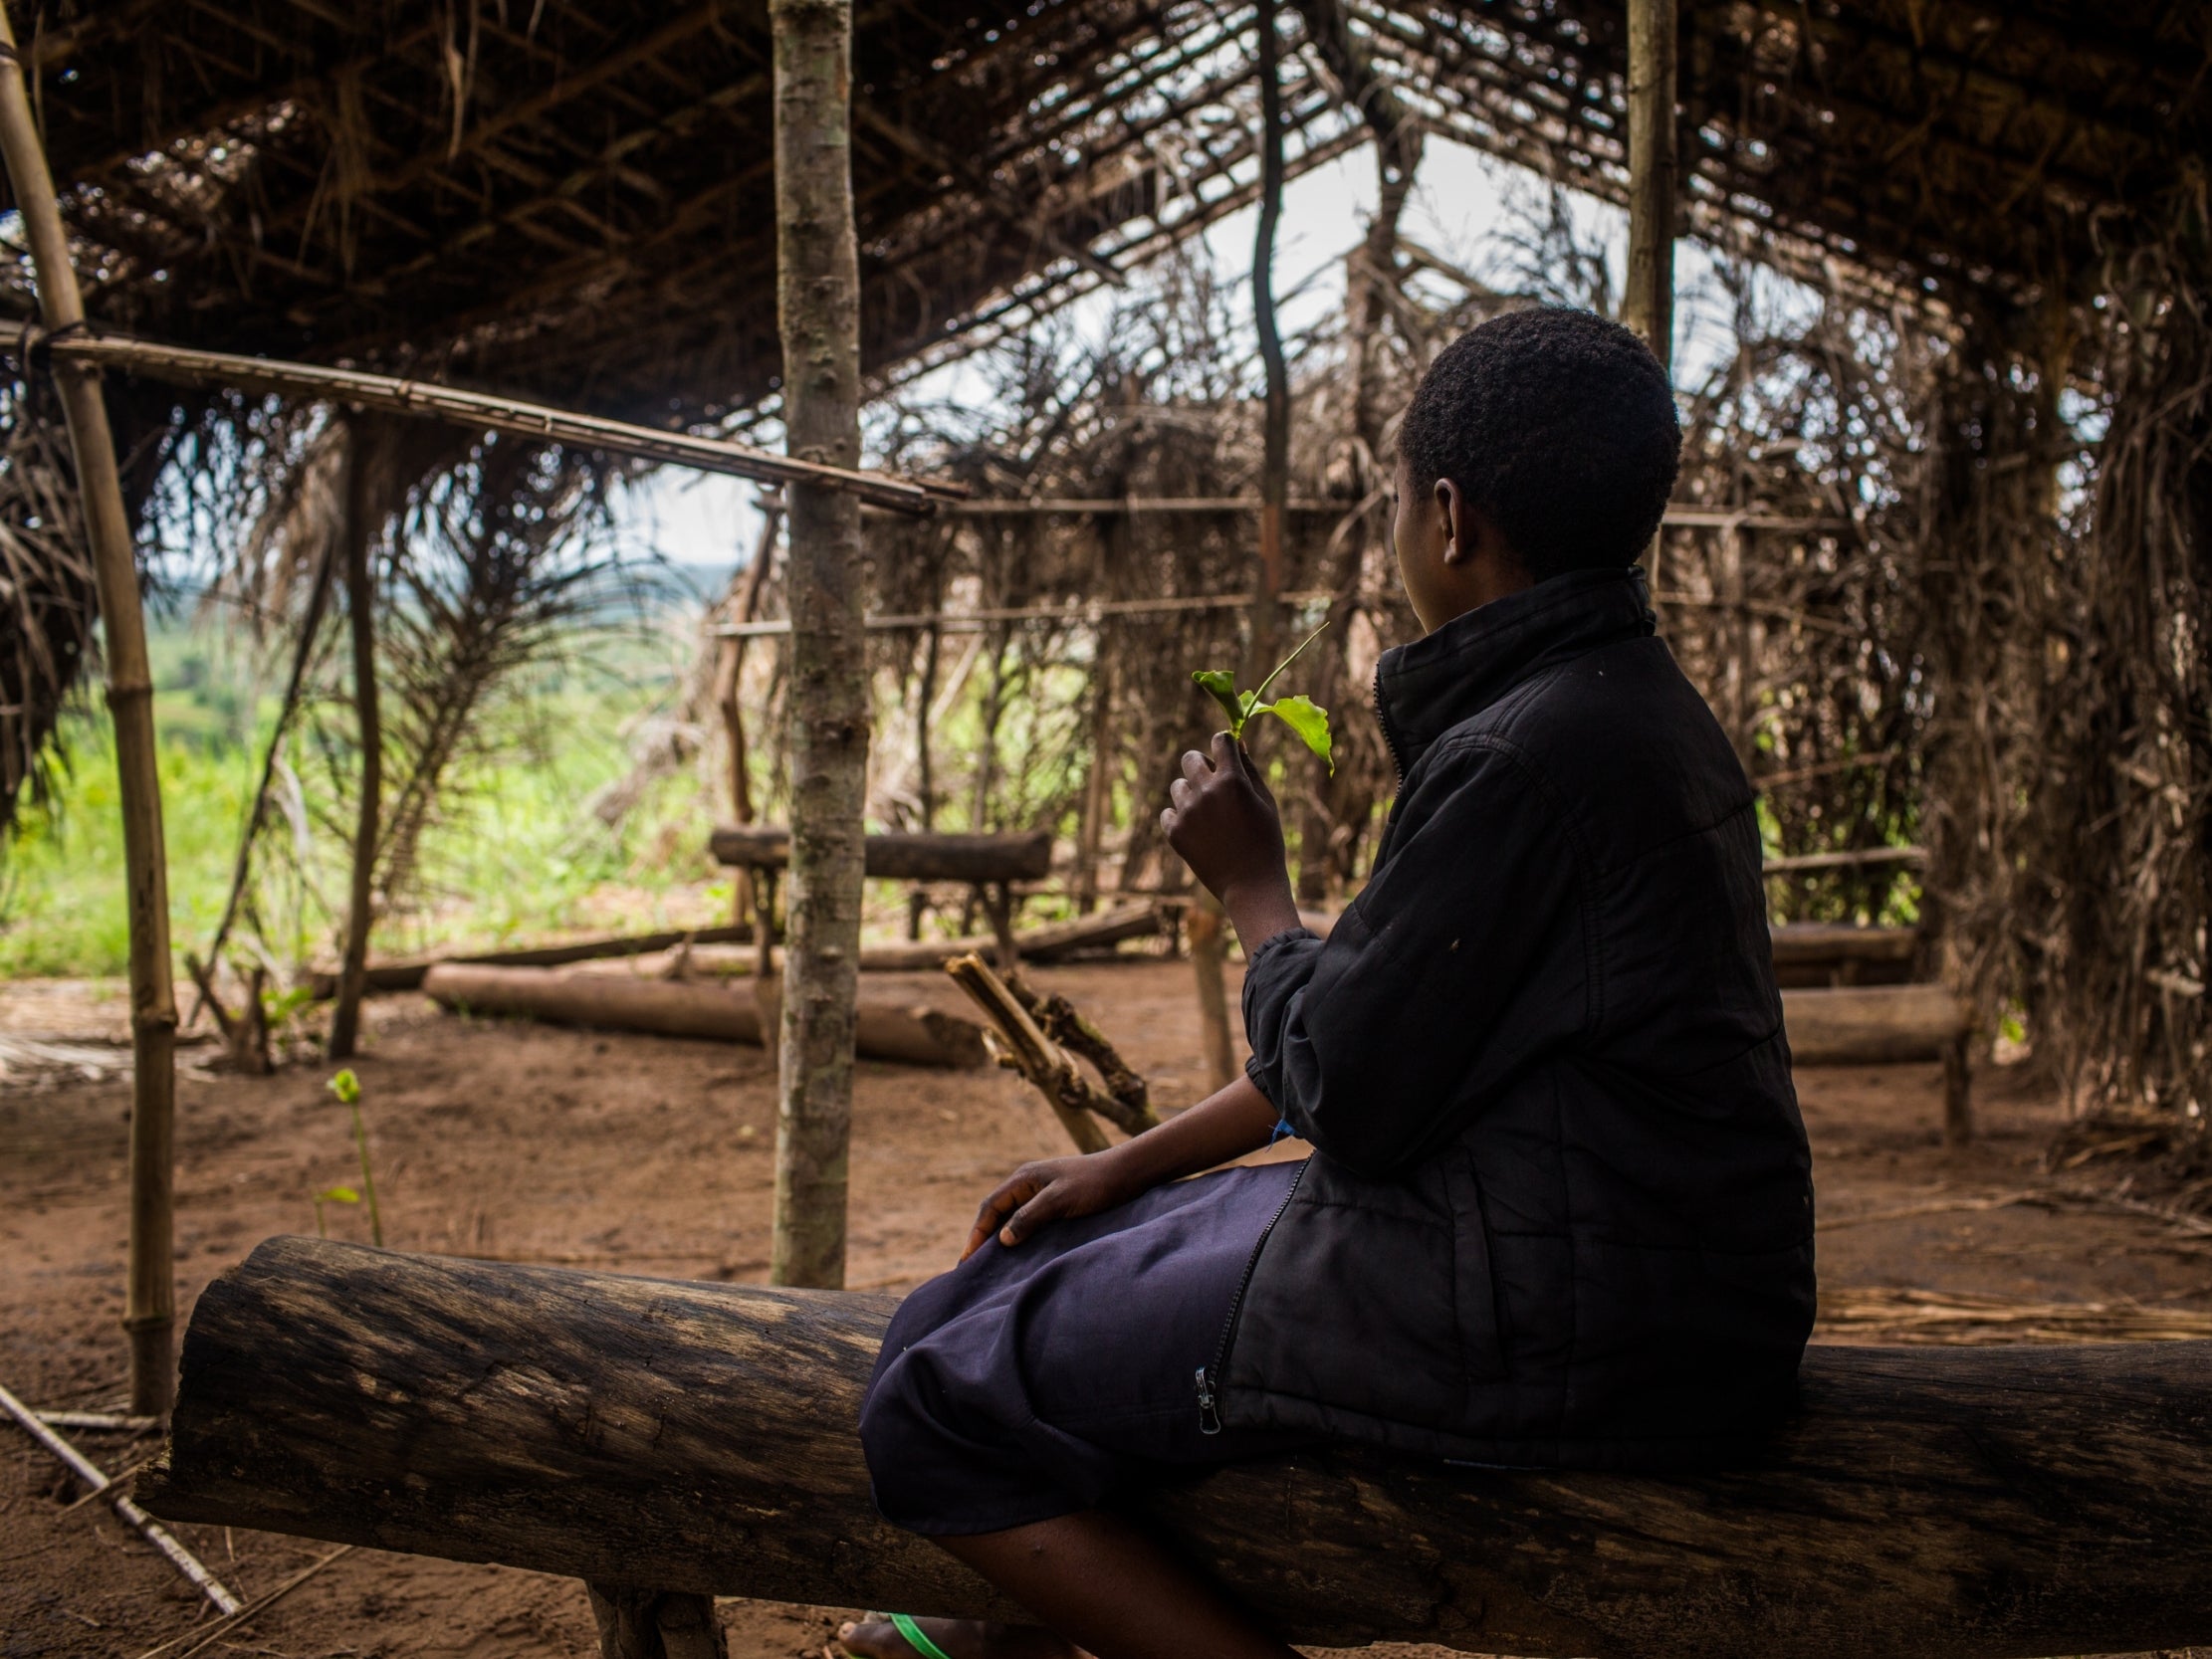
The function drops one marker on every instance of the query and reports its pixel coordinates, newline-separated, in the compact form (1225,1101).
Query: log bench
(1881,1025)
(669,1442)
(1832,954)
(990,864)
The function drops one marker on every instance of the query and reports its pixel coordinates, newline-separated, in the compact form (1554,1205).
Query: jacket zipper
(1390,738)
(1210,1377)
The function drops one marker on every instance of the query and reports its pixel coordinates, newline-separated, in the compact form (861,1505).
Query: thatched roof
(576,201)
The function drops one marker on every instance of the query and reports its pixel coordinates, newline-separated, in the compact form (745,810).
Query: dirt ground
(654,1156)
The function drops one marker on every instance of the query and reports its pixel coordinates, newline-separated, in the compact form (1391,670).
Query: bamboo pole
(487,412)
(150,1296)
(1648,304)
(1274,470)
(818,311)
(360,606)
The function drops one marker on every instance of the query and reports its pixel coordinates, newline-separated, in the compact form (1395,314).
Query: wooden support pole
(1274,471)
(1924,1503)
(360,610)
(818,308)
(1209,947)
(655,1624)
(1648,304)
(149,1294)
(728,682)
(767,979)
(484,412)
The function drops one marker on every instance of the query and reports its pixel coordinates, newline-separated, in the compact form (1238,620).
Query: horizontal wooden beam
(1928,1503)
(477,411)
(1797,864)
(909,856)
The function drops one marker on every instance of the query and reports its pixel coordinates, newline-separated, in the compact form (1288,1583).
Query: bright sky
(1459,203)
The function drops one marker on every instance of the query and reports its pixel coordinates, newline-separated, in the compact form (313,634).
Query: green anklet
(917,1638)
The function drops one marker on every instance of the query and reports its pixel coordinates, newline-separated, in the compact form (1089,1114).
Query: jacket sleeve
(1464,958)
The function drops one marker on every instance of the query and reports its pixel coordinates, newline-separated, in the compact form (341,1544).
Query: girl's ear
(1451,510)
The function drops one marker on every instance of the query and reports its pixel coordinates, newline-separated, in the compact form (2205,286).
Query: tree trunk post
(360,609)
(1098,781)
(150,1296)
(818,308)
(1648,304)
(1206,925)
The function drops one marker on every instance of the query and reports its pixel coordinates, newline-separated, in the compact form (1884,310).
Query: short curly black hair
(1560,427)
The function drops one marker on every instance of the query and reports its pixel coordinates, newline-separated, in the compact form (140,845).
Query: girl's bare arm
(1225,1125)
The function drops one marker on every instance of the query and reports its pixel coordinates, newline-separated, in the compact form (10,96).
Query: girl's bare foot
(963,1638)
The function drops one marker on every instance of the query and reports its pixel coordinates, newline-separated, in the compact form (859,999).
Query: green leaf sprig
(348,1088)
(1301,714)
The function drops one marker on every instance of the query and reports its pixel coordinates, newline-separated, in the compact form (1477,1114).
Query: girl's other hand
(1051,1189)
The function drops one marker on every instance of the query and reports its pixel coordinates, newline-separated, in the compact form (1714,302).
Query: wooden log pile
(1927,1502)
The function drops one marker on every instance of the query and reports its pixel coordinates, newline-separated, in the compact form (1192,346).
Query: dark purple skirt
(1032,1383)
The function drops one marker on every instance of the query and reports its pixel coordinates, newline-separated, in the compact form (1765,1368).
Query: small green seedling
(332,1195)
(1301,714)
(348,1088)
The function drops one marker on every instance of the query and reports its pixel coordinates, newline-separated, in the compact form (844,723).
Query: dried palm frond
(486,569)
(46,596)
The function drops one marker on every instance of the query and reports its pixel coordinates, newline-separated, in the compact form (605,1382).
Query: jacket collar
(1425,687)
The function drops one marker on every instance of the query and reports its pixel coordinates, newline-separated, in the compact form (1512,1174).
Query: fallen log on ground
(1962,1503)
(408,975)
(1054,942)
(885,1030)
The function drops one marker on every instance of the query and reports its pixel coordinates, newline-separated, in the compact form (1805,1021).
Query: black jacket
(1560,1207)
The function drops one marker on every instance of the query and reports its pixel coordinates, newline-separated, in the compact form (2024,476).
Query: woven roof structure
(576,202)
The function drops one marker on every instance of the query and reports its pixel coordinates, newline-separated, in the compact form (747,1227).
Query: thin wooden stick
(150,1298)
(89,1472)
(311,625)
(477,411)
(113,1422)
(252,1610)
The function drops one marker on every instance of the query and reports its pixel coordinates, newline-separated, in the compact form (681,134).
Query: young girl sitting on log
(1559,1207)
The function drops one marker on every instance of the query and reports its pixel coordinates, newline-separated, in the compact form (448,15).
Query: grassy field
(514,850)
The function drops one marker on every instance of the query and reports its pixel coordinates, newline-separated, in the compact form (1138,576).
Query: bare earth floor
(654,1156)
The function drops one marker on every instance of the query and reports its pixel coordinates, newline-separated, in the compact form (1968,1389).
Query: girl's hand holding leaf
(1301,714)
(1223,819)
